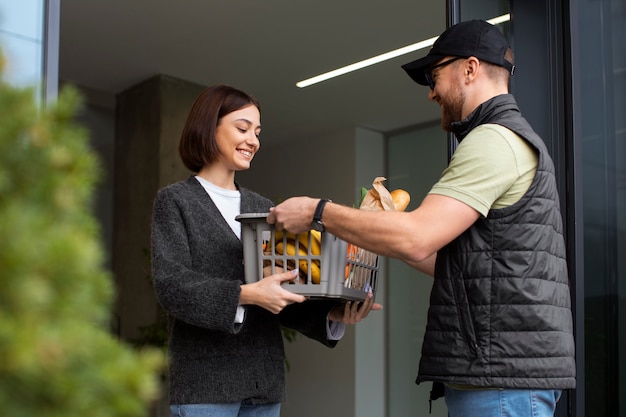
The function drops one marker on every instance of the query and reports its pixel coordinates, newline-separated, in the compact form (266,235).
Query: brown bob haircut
(198,145)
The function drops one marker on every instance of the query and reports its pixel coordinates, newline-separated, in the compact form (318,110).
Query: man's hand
(352,312)
(294,214)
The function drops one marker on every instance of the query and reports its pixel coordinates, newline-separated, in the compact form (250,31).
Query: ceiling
(262,47)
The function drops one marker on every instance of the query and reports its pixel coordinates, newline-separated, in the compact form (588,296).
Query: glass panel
(602,46)
(21,40)
(483,9)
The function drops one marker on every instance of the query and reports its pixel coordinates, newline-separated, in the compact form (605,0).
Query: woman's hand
(352,312)
(269,292)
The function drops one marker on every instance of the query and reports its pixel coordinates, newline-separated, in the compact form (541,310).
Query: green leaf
(363,194)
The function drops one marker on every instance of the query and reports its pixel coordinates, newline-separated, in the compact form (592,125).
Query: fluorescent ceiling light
(384,57)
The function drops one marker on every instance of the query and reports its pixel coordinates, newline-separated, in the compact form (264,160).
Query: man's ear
(471,67)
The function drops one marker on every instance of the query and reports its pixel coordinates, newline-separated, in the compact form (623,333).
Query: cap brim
(416,69)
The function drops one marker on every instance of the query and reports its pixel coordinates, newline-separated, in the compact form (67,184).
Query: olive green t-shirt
(491,168)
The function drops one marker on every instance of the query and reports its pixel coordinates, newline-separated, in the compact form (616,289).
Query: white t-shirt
(228,203)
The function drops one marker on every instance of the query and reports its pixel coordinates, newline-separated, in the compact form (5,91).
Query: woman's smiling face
(237,137)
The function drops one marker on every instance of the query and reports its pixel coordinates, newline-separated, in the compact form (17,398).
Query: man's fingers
(363,309)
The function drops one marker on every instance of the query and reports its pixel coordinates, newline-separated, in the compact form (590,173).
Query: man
(499,336)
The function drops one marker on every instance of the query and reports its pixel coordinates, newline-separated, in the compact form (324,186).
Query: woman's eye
(241,130)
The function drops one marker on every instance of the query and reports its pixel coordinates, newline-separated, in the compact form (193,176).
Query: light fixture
(384,57)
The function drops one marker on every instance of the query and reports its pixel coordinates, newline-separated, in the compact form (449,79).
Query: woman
(225,341)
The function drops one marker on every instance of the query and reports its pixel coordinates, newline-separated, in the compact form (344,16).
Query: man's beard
(452,107)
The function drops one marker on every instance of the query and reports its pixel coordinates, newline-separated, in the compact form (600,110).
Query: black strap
(438,390)
(317,217)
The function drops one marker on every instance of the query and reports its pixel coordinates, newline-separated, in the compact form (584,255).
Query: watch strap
(317,217)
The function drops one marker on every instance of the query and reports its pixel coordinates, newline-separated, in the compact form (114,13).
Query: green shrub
(57,356)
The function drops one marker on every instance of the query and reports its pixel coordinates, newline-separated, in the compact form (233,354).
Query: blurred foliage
(57,355)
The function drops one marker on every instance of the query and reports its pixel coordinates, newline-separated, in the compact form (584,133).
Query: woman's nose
(253,139)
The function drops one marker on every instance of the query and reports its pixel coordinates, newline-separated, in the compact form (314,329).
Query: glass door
(600,50)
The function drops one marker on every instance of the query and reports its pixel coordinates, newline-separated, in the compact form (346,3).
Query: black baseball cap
(471,38)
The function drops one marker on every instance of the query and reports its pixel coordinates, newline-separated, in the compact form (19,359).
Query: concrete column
(149,119)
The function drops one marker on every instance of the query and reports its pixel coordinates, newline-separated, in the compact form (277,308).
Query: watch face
(317,225)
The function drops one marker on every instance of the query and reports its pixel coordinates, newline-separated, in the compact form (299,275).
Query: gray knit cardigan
(197,264)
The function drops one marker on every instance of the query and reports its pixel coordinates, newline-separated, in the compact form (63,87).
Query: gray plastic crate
(341,274)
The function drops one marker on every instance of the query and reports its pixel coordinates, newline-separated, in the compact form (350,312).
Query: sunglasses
(428,72)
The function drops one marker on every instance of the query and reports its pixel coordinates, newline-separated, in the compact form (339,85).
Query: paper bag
(378,197)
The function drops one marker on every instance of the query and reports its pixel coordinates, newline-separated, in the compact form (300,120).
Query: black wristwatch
(317,224)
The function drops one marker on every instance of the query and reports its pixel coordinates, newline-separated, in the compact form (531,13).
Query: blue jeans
(501,402)
(240,409)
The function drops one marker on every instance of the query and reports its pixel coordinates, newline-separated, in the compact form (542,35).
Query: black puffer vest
(499,311)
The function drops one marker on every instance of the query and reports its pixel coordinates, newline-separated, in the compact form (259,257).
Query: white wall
(415,161)
(320,167)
